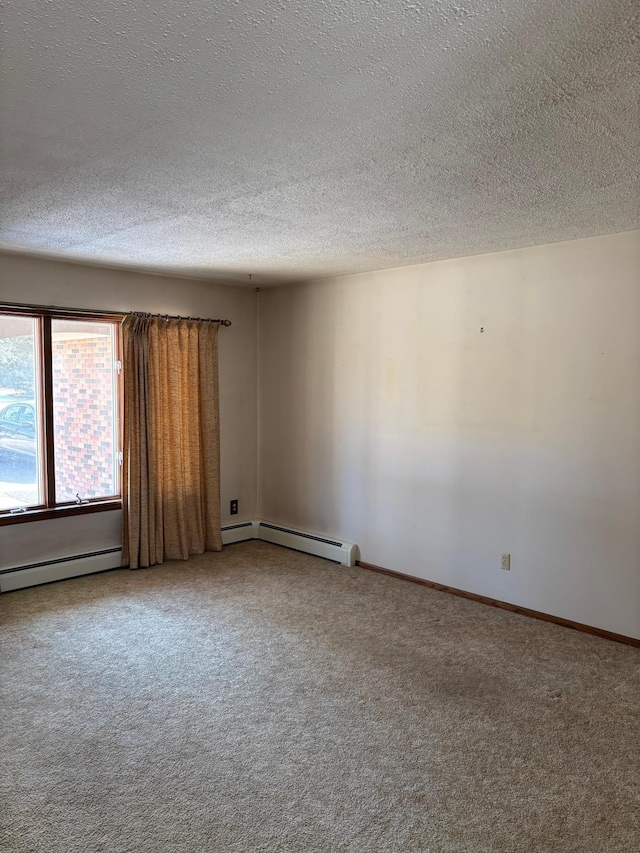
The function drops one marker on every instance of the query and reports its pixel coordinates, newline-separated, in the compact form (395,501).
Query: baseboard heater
(289,537)
(239,532)
(18,577)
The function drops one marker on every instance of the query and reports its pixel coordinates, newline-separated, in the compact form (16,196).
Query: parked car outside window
(18,429)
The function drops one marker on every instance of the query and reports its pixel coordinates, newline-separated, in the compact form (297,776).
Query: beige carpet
(264,700)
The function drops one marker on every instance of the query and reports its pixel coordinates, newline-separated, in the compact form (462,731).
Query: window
(59,413)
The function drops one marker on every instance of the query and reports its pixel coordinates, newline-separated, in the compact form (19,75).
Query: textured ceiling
(289,138)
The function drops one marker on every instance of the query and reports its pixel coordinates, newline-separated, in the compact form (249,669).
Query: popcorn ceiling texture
(297,139)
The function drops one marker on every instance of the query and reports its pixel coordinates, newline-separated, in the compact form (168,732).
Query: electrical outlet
(233,507)
(505,562)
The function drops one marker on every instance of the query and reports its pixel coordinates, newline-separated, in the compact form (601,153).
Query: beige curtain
(171,464)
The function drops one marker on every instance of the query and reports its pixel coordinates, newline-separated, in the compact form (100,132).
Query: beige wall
(389,419)
(41,282)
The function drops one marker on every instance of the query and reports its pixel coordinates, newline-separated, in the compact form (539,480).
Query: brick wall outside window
(83,417)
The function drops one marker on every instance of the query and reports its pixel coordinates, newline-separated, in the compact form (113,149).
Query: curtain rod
(179,317)
(58,308)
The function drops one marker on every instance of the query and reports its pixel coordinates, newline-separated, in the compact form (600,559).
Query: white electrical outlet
(505,562)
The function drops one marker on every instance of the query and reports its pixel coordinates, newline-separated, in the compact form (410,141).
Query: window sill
(60,512)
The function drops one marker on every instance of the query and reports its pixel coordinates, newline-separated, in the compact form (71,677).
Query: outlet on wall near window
(505,562)
(233,507)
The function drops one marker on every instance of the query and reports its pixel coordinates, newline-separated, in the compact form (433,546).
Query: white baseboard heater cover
(289,537)
(311,543)
(239,532)
(19,577)
(59,569)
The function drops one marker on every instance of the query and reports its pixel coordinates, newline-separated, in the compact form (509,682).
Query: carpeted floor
(264,700)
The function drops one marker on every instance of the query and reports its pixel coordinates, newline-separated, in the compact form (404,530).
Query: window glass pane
(84,411)
(20,452)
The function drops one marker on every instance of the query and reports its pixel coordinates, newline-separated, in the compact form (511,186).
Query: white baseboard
(239,532)
(59,569)
(310,543)
(289,537)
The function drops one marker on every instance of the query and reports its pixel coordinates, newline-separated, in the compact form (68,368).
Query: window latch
(17,510)
(80,500)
